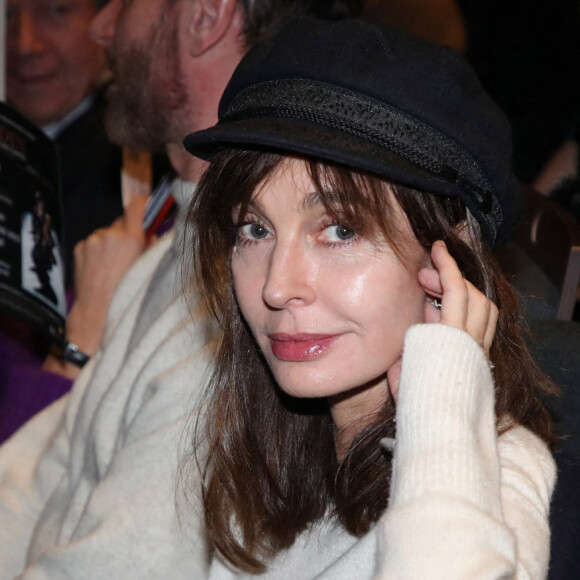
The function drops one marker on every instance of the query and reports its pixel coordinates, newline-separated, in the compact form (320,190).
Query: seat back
(551,236)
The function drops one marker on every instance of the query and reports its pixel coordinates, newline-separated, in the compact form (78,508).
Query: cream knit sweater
(87,487)
(464,504)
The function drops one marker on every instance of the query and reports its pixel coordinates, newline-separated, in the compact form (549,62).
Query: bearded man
(87,487)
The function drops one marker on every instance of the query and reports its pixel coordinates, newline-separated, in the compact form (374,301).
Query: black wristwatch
(73,354)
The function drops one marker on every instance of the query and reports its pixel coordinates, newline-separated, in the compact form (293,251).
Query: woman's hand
(462,305)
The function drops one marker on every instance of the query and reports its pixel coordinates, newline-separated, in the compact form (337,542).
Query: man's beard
(146,102)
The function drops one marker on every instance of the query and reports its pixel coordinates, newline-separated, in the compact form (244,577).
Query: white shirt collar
(53,130)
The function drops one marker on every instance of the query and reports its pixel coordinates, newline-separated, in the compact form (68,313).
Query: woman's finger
(482,318)
(479,310)
(455,299)
(491,328)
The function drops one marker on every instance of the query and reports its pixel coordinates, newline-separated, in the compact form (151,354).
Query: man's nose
(25,33)
(290,278)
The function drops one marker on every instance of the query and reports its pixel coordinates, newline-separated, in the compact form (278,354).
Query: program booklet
(31,263)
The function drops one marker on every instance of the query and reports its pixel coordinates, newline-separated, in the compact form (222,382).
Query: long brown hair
(271,468)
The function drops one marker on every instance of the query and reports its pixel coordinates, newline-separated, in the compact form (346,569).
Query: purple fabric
(25,389)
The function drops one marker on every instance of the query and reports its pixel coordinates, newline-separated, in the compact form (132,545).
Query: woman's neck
(355,410)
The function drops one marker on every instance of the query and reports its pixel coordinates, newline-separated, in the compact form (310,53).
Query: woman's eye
(253,232)
(338,233)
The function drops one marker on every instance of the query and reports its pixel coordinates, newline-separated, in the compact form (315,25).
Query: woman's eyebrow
(314,198)
(252,205)
(310,200)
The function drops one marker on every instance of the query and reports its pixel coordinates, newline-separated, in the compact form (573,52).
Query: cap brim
(292,136)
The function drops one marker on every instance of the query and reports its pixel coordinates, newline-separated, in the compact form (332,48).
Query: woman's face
(328,308)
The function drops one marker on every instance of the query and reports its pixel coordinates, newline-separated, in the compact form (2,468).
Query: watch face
(74,355)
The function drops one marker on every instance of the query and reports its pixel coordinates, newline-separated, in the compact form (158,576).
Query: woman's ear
(209,23)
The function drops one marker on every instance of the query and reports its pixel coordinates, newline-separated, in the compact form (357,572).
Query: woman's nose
(290,277)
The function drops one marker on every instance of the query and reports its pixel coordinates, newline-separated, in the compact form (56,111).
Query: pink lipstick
(300,347)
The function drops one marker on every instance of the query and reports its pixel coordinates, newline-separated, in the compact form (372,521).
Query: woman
(356,177)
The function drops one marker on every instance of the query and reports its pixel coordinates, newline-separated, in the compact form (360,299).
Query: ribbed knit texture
(445,423)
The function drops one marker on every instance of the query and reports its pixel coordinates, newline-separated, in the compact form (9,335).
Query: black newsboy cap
(378,100)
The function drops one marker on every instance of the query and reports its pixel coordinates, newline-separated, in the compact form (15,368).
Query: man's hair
(263,18)
(100,4)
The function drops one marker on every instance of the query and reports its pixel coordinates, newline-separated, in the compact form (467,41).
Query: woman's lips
(300,347)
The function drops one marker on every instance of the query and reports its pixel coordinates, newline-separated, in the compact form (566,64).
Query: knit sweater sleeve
(464,504)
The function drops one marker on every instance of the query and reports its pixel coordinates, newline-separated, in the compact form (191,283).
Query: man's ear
(210,20)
